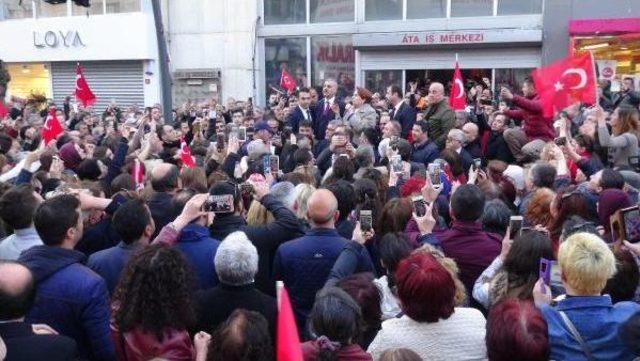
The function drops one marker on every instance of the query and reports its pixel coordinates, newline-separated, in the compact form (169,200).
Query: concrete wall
(557,14)
(209,34)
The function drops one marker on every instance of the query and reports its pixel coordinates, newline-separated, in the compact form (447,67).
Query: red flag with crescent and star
(83,92)
(457,98)
(185,154)
(565,82)
(52,127)
(287,81)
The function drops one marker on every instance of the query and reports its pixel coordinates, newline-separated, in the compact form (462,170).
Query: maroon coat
(534,124)
(472,248)
(137,345)
(354,352)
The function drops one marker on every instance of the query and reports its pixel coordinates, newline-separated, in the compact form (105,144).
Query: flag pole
(456,57)
(595,79)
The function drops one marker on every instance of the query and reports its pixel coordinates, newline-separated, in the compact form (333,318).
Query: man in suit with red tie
(401,111)
(327,108)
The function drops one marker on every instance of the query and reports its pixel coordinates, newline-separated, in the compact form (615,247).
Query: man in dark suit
(401,111)
(302,111)
(25,341)
(455,141)
(327,108)
(236,265)
(165,180)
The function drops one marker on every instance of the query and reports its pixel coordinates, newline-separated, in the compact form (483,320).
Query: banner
(606,69)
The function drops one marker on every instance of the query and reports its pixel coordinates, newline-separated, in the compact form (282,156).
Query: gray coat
(362,118)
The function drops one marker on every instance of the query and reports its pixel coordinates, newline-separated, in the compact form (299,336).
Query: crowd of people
(401,228)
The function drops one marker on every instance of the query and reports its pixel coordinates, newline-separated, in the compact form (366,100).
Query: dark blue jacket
(304,265)
(71,298)
(406,116)
(110,262)
(161,211)
(424,153)
(295,117)
(199,248)
(321,118)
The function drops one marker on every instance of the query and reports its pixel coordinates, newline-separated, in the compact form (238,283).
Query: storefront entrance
(28,79)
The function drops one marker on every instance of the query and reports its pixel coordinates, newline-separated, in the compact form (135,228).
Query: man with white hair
(236,263)
(327,109)
(438,114)
(455,141)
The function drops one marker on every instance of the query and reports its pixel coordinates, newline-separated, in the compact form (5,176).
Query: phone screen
(434,174)
(219,203)
(242,134)
(515,226)
(274,164)
(396,164)
(366,220)
(266,164)
(419,206)
(631,219)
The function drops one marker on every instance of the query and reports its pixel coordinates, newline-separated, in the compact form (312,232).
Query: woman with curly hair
(152,307)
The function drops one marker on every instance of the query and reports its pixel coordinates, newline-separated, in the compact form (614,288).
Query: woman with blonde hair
(303,192)
(585,324)
(258,215)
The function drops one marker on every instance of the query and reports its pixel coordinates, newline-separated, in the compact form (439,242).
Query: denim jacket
(597,320)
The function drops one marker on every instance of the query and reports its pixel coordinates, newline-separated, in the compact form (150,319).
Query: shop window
(284,11)
(422,9)
(471,8)
(122,6)
(96,8)
(289,54)
(29,78)
(46,10)
(15,9)
(333,57)
(383,10)
(377,81)
(515,7)
(324,11)
(511,78)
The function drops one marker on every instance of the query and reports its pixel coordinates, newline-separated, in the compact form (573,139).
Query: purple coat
(472,248)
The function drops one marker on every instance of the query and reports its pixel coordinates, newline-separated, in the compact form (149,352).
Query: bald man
(472,140)
(304,263)
(165,181)
(439,115)
(17,294)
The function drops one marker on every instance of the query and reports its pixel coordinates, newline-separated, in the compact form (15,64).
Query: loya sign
(54,39)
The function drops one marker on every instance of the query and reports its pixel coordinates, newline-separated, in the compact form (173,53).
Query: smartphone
(545,270)
(486,102)
(434,174)
(246,188)
(630,218)
(222,203)
(242,134)
(477,163)
(274,164)
(550,274)
(560,141)
(266,164)
(396,164)
(419,206)
(515,226)
(366,220)
(220,142)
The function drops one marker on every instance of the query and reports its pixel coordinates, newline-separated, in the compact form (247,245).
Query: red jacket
(137,345)
(534,124)
(354,352)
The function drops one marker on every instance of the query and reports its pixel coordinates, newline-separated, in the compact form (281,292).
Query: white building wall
(210,34)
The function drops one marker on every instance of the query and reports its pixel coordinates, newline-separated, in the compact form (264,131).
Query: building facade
(113,40)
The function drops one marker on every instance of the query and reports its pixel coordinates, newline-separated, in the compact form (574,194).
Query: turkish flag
(287,81)
(565,82)
(83,92)
(185,154)
(287,340)
(52,127)
(457,99)
(3,110)
(137,174)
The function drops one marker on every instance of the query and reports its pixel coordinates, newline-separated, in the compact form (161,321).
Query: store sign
(443,38)
(607,69)
(54,39)
(453,37)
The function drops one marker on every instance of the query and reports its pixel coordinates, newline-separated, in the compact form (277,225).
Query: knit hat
(70,156)
(610,201)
